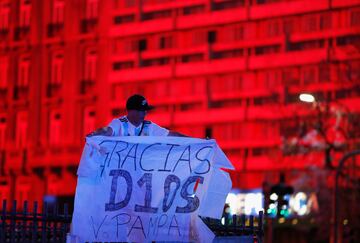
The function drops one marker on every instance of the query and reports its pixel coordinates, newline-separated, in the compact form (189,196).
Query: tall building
(227,69)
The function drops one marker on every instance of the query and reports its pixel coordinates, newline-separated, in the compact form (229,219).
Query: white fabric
(154,129)
(99,214)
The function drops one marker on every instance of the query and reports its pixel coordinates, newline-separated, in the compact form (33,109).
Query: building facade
(227,69)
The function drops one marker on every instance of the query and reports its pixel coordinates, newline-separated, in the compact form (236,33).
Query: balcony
(287,8)
(172,5)
(211,18)
(145,27)
(210,67)
(345,3)
(288,59)
(141,74)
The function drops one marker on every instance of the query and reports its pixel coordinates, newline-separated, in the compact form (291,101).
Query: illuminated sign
(248,202)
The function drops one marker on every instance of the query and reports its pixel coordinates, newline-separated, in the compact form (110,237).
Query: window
(57,16)
(259,151)
(290,25)
(21,129)
(325,21)
(239,33)
(4,70)
(23,71)
(228,54)
(227,131)
(193,10)
(4,15)
(155,62)
(142,45)
(57,62)
(2,132)
(89,121)
(355,18)
(123,65)
(187,87)
(124,19)
(192,58)
(208,132)
(124,3)
(125,46)
(211,37)
(192,38)
(307,45)
(25,13)
(264,50)
(272,79)
(90,65)
(309,23)
(165,42)
(226,84)
(324,73)
(91,9)
(273,28)
(290,76)
(156,15)
(222,5)
(54,128)
(309,74)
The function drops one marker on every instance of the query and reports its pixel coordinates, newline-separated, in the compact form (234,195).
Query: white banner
(143,189)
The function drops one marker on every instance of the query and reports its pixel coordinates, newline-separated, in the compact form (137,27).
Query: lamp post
(327,144)
(339,169)
(339,172)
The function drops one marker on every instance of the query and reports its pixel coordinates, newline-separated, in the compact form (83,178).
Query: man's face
(138,116)
(141,115)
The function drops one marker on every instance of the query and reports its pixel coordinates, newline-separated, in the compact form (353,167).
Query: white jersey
(123,127)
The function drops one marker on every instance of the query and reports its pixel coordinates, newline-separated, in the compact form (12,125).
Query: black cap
(138,102)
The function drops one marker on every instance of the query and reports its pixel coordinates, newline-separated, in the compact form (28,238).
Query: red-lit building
(227,69)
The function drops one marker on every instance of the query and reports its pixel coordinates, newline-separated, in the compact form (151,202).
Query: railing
(239,227)
(51,226)
(25,226)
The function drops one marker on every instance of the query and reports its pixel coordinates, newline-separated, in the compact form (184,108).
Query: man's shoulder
(123,119)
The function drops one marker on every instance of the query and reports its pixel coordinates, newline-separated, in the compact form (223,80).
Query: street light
(333,137)
(307,98)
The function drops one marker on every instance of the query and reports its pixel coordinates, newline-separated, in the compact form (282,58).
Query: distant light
(294,221)
(299,204)
(281,220)
(233,202)
(274,196)
(249,203)
(346,221)
(307,98)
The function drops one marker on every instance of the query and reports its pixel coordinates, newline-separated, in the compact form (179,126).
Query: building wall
(228,69)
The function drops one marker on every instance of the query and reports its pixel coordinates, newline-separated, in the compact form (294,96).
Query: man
(134,123)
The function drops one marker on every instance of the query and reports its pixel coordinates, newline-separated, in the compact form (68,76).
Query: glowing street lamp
(307,98)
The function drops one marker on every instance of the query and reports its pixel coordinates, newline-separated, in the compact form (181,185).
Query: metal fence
(25,226)
(244,228)
(51,226)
